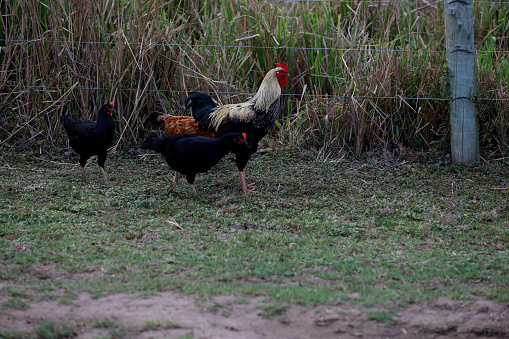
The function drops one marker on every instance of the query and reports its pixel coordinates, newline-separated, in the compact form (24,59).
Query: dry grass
(149,54)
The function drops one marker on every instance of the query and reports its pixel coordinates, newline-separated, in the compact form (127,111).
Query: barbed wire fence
(149,44)
(17,88)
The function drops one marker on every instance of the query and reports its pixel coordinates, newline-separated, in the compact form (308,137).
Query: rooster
(255,117)
(189,154)
(90,138)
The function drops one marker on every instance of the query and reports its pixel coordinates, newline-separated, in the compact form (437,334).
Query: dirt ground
(225,318)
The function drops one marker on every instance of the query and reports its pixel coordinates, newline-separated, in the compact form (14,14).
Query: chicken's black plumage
(90,138)
(255,117)
(189,154)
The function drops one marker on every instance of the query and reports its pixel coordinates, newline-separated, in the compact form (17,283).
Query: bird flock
(192,144)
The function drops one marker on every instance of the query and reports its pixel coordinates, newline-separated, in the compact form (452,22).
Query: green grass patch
(381,316)
(123,332)
(365,232)
(151,325)
(16,335)
(17,304)
(104,323)
(273,310)
(50,330)
(171,324)
(189,335)
(69,299)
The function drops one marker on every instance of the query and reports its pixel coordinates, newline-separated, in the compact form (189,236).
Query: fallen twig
(174,223)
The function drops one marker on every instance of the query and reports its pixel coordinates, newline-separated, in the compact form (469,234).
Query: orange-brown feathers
(182,124)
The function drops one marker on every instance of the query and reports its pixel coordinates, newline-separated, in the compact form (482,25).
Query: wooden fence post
(459,34)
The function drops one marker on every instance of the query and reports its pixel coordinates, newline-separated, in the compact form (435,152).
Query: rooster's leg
(101,159)
(192,188)
(105,176)
(83,174)
(246,188)
(173,182)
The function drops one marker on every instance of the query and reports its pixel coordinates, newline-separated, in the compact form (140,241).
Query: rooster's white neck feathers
(268,92)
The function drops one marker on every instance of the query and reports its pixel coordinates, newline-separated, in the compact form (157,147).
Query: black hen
(189,154)
(90,138)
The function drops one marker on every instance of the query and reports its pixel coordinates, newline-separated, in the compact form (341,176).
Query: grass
(381,316)
(15,304)
(16,335)
(274,310)
(104,323)
(151,325)
(189,335)
(368,232)
(150,54)
(123,332)
(50,330)
(172,324)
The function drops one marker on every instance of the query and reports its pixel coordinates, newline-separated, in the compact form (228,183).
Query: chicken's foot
(83,174)
(106,181)
(173,182)
(246,188)
(192,188)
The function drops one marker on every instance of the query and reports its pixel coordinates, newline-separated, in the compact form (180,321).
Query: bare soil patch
(234,317)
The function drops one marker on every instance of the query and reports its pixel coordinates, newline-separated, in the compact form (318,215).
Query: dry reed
(358,81)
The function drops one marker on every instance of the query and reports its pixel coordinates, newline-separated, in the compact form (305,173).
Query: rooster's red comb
(283,65)
(244,136)
(111,104)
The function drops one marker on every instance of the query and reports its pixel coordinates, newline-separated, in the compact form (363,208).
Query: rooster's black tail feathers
(201,106)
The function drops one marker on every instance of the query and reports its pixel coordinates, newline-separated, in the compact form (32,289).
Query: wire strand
(54,88)
(149,44)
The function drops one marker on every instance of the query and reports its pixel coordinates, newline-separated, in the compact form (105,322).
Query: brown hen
(179,124)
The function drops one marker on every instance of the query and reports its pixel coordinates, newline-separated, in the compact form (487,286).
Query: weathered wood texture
(459,31)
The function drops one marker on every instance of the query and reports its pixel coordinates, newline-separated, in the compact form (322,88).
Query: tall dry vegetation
(361,73)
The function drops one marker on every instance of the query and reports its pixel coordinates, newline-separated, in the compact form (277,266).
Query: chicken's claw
(246,188)
(251,188)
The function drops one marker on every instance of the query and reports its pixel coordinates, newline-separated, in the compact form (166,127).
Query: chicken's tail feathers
(164,143)
(153,118)
(196,100)
(201,105)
